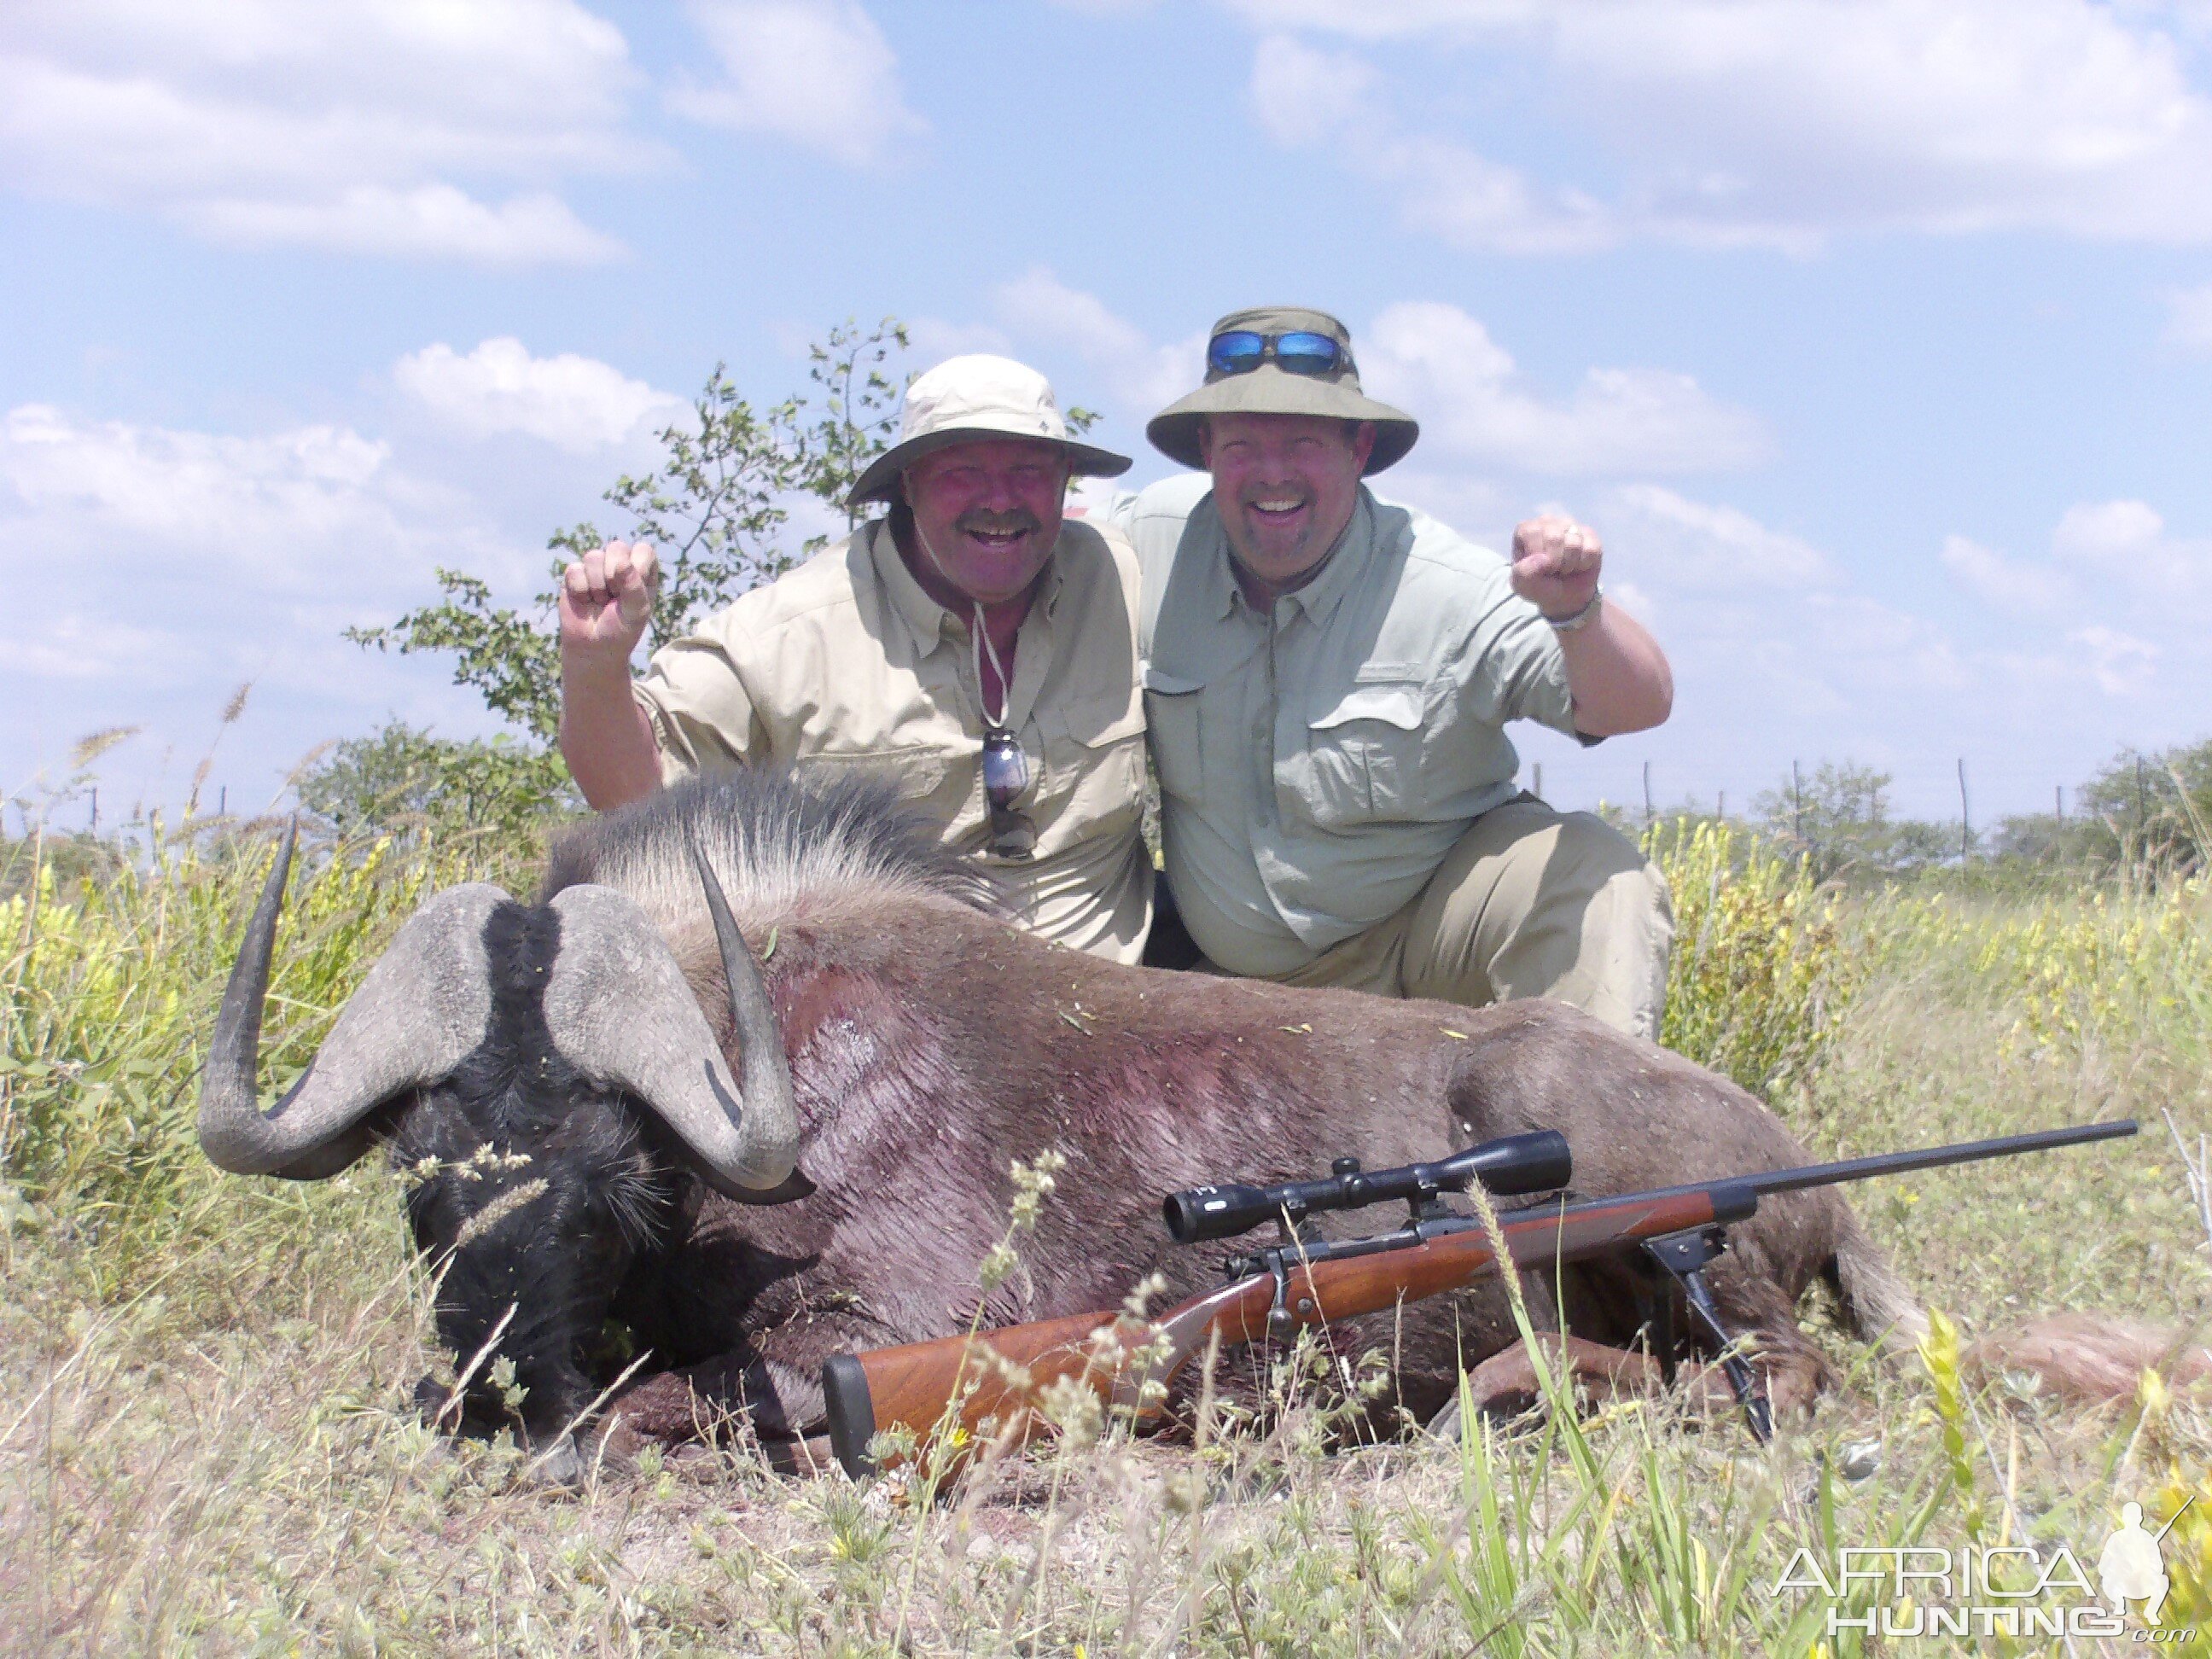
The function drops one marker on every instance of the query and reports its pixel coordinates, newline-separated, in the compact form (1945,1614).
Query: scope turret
(1533,1163)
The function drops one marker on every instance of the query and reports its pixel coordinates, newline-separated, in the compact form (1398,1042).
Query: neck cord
(981,642)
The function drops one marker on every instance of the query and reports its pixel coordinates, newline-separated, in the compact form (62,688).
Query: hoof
(431,1398)
(557,1465)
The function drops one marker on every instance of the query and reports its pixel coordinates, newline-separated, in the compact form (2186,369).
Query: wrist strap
(1580,619)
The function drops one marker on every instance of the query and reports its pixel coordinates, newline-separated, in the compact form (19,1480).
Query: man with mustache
(969,644)
(1328,679)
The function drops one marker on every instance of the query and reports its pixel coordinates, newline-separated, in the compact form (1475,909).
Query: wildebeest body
(930,1045)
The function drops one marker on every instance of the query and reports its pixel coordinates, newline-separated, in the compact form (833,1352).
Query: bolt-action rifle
(1294,1282)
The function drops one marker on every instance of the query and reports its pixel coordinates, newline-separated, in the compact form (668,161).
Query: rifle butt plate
(852,1414)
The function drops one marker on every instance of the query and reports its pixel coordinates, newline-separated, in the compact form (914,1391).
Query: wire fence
(1972,800)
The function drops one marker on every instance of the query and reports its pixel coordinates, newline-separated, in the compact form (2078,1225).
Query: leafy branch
(715,509)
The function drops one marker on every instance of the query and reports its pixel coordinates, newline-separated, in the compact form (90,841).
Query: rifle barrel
(1931,1157)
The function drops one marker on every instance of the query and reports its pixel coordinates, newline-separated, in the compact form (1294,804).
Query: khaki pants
(1529,903)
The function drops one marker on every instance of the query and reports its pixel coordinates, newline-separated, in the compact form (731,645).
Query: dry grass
(205,1443)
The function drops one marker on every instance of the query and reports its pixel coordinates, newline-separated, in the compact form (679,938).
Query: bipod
(1683,1257)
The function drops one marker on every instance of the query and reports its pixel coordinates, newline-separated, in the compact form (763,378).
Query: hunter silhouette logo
(2132,1567)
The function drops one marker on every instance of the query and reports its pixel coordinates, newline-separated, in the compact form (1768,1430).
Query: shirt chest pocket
(1175,732)
(1094,762)
(1363,751)
(926,778)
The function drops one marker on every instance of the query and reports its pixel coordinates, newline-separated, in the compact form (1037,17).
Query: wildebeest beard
(536,1192)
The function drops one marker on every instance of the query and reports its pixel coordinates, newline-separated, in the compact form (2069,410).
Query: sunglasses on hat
(1241,350)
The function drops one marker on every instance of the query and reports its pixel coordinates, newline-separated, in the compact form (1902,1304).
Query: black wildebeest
(754,1158)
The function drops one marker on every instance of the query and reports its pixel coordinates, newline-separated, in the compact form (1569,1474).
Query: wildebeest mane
(778,844)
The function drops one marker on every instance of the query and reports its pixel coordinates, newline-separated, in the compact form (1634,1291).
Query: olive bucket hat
(977,396)
(1280,360)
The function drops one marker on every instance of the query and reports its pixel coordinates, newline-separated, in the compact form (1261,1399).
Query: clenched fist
(606,600)
(1555,563)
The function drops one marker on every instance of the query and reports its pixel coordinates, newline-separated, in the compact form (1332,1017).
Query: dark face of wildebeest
(542,1077)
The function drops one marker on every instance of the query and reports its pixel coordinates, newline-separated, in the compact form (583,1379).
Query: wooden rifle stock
(970,1381)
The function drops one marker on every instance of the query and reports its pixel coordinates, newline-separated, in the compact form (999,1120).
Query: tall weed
(1760,974)
(107,992)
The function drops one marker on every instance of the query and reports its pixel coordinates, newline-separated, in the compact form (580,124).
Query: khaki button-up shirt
(1317,760)
(846,662)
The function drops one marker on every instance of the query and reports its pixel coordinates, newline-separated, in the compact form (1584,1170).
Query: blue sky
(1876,338)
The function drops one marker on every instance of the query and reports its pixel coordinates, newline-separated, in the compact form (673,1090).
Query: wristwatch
(1581,618)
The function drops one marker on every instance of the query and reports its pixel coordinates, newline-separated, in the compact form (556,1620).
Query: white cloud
(2122,665)
(251,505)
(2108,531)
(818,72)
(182,562)
(1146,377)
(74,646)
(1699,547)
(366,127)
(2134,590)
(431,222)
(574,402)
(1302,96)
(1309,98)
(1775,121)
(2127,542)
(2189,317)
(933,339)
(1391,20)
(2007,585)
(1441,365)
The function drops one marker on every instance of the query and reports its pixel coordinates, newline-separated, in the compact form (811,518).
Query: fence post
(1965,818)
(95,809)
(1537,789)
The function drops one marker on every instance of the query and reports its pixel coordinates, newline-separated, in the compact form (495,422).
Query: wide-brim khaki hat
(1268,389)
(978,396)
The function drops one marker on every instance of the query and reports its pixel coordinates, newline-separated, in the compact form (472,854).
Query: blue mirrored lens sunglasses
(1241,350)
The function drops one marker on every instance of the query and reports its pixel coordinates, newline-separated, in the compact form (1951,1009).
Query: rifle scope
(1533,1163)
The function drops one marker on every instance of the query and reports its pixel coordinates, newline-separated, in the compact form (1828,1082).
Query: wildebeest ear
(423,1005)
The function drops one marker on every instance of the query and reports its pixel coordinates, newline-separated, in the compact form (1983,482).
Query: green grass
(205,1444)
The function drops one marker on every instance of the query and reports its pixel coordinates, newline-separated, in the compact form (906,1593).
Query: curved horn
(420,1009)
(620,1010)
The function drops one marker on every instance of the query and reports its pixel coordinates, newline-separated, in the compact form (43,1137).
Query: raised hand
(606,600)
(1555,563)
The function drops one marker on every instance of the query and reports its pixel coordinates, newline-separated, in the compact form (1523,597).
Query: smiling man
(1327,680)
(970,645)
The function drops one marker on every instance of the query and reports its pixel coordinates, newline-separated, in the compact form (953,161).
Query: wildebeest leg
(712,1399)
(1505,1384)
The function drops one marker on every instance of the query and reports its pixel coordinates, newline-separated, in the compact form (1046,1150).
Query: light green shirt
(1318,760)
